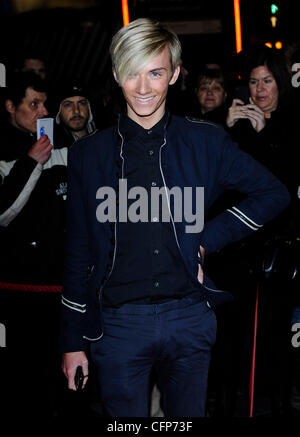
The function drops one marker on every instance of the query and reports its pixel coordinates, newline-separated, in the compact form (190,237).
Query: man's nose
(44,111)
(76,108)
(143,86)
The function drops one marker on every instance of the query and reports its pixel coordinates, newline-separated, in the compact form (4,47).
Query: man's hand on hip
(200,270)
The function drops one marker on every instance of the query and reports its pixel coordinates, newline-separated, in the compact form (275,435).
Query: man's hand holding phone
(41,150)
(76,368)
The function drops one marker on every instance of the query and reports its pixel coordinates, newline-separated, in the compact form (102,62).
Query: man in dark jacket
(134,289)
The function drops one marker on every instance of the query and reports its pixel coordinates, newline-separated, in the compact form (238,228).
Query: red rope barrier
(31,287)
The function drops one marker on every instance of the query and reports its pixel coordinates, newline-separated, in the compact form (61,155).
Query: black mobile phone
(78,379)
(242,93)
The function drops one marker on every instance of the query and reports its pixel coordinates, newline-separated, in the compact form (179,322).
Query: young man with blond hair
(134,291)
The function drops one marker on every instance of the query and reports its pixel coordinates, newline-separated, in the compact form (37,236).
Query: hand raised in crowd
(235,112)
(256,116)
(41,150)
(252,112)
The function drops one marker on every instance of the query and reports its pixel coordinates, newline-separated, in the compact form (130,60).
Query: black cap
(72,89)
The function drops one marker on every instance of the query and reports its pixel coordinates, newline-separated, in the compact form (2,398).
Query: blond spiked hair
(138,43)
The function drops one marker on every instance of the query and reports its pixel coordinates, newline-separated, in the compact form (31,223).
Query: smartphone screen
(45,126)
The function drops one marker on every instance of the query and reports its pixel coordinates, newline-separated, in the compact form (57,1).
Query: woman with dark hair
(266,127)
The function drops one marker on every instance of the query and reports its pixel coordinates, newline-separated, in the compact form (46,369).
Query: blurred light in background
(237,22)
(125,12)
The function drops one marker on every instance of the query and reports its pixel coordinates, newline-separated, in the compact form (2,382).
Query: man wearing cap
(74,119)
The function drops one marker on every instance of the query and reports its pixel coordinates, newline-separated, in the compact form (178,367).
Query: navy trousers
(174,337)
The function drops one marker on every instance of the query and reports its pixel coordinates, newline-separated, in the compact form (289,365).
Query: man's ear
(115,76)
(9,106)
(175,75)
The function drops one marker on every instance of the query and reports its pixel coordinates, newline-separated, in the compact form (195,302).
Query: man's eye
(67,105)
(156,74)
(83,103)
(33,104)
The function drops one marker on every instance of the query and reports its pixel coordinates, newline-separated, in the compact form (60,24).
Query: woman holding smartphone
(267,128)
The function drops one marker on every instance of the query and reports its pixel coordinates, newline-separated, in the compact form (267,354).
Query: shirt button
(155,219)
(149,131)
(151,152)
(153,184)
(156,252)
(156,284)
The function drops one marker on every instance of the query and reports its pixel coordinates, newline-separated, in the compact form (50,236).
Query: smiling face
(210,94)
(263,89)
(146,91)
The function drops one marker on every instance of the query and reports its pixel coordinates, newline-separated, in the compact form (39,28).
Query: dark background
(75,40)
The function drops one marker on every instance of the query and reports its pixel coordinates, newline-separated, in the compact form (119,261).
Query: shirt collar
(129,129)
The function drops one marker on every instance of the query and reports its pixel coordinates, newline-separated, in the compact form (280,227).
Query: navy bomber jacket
(194,153)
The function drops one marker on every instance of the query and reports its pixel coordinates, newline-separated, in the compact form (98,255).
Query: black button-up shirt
(148,266)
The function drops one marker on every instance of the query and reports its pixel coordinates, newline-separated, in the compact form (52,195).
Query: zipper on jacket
(172,220)
(165,187)
(115,247)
